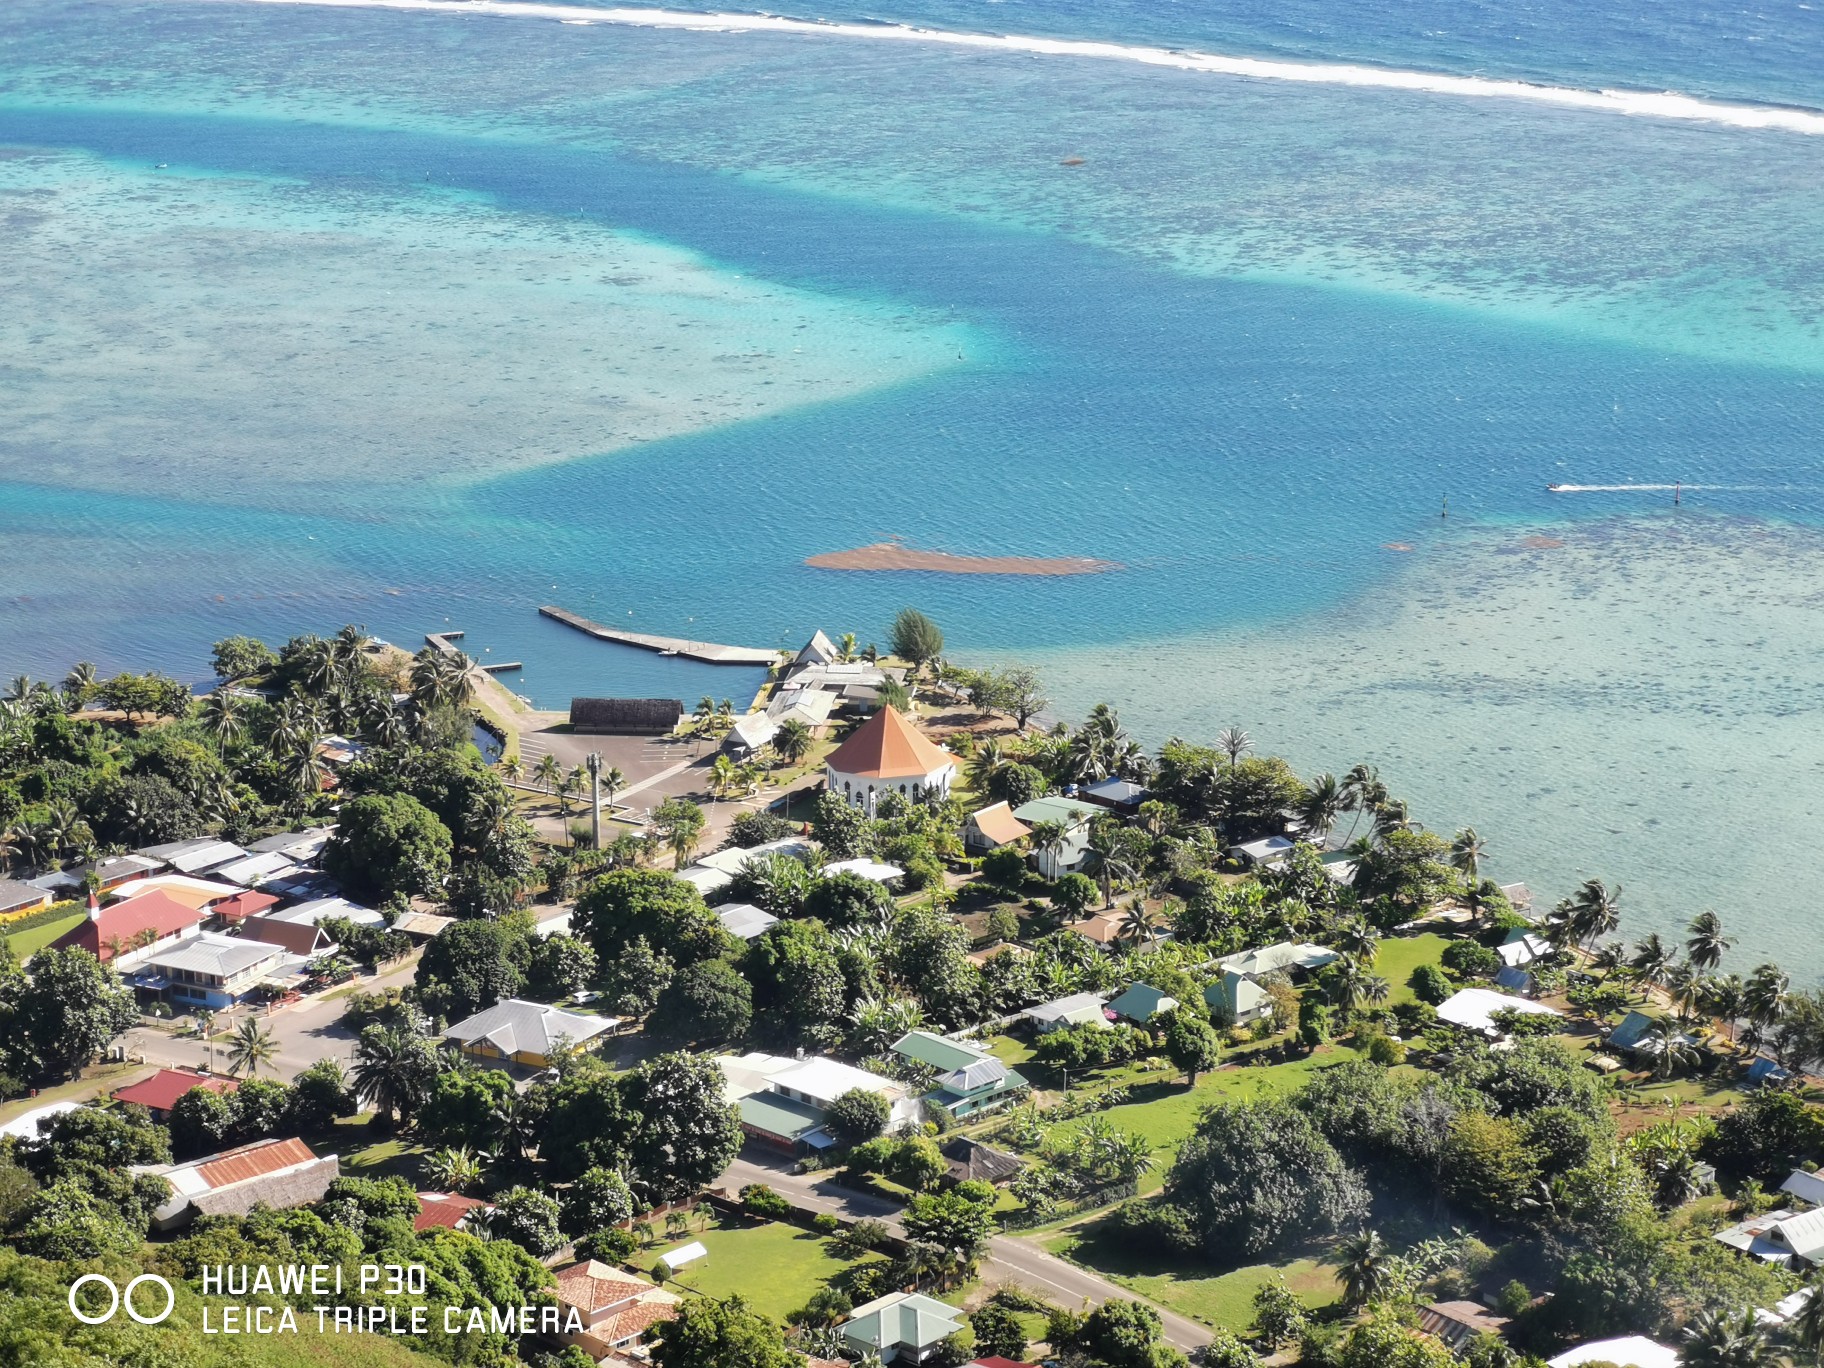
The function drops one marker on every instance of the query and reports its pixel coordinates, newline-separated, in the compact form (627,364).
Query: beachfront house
(992,827)
(970,1080)
(528,1033)
(1116,794)
(1475,1009)
(273,1173)
(1266,851)
(1522,948)
(1063,856)
(902,1327)
(887,754)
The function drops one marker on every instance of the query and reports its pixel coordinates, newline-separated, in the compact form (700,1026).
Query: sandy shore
(895,556)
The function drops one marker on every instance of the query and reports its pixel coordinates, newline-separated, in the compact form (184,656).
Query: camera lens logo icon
(117,1299)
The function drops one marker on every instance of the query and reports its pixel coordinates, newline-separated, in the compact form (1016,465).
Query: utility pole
(594,762)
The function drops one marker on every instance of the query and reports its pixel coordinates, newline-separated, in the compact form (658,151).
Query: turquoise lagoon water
(428,319)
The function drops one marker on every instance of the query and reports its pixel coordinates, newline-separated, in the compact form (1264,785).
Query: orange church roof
(887,746)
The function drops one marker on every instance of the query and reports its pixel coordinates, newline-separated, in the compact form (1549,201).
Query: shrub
(1470,959)
(757,1199)
(824,1223)
(611,1245)
(1005,867)
(1431,984)
(1074,894)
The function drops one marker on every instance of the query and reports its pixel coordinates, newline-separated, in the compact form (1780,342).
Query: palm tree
(845,647)
(1137,924)
(722,776)
(1105,858)
(793,739)
(512,769)
(1651,960)
(1323,803)
(1592,911)
(1728,1340)
(79,683)
(1806,1328)
(1764,997)
(1234,743)
(613,781)
(1670,1048)
(1606,958)
(222,717)
(1375,990)
(549,771)
(704,713)
(1467,851)
(1707,944)
(250,1047)
(388,1072)
(1366,1271)
(1727,998)
(1362,788)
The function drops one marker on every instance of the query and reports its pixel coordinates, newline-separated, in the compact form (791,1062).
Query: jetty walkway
(707,651)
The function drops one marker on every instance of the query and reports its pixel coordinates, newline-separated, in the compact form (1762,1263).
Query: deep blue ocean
(311,317)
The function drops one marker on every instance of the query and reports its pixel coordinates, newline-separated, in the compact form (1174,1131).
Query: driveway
(1010,1258)
(305,1033)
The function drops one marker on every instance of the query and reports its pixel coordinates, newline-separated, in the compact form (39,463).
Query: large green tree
(669,914)
(707,1333)
(387,846)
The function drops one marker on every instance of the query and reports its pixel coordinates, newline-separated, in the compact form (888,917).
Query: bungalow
(120,869)
(244,905)
(1633,1034)
(992,827)
(307,939)
(1079,1009)
(1101,928)
(210,970)
(528,1033)
(1807,1187)
(1055,861)
(744,921)
(274,1173)
(18,898)
(426,926)
(1116,793)
(1518,895)
(970,1080)
(1522,948)
(1459,1322)
(1474,1009)
(617,1309)
(205,895)
(253,870)
(199,855)
(128,927)
(1141,1003)
(750,732)
(446,1211)
(1236,999)
(902,1327)
(969,1160)
(785,1102)
(1283,958)
(1791,1240)
(1267,850)
(159,1093)
(302,846)
(874,871)
(1627,1351)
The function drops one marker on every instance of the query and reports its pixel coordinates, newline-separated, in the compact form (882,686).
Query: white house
(887,754)
(1475,1008)
(1630,1351)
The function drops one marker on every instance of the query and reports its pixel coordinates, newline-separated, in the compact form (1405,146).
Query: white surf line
(1666,105)
(1612,489)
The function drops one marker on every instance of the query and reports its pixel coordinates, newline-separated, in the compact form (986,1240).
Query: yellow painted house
(527,1033)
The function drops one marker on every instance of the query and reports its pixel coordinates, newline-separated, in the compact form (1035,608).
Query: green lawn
(1398,956)
(774,1266)
(367,1154)
(95,1082)
(35,938)
(1225,1299)
(1165,1113)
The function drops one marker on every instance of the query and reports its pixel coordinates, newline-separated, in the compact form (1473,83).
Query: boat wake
(1661,105)
(1626,488)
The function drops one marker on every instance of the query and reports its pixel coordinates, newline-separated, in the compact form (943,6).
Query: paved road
(305,1033)
(1010,1258)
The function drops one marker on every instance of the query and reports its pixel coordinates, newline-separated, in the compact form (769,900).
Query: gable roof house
(1794,1241)
(1459,1322)
(887,754)
(819,650)
(970,1079)
(902,1327)
(135,925)
(970,1160)
(297,938)
(1054,862)
(526,1033)
(277,1173)
(17,897)
(1079,1009)
(211,970)
(159,1093)
(445,1211)
(1141,1003)
(1806,1187)
(1286,957)
(992,827)
(785,1102)
(617,1309)
(1120,795)
(1236,999)
(198,855)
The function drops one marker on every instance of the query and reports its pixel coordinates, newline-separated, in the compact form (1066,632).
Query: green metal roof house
(970,1080)
(1237,999)
(902,1327)
(1142,1002)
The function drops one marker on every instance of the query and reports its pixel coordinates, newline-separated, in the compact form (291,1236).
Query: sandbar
(891,555)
